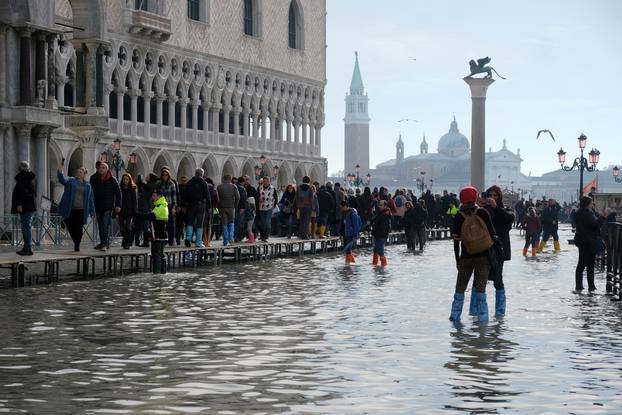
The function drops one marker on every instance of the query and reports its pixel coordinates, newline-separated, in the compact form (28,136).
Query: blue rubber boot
(500,303)
(199,242)
(473,303)
(482,307)
(456,307)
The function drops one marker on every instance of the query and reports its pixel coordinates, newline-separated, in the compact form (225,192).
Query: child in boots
(250,219)
(533,227)
(159,220)
(381,226)
(352,227)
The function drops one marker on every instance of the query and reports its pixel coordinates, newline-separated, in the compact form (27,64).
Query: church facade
(449,168)
(181,83)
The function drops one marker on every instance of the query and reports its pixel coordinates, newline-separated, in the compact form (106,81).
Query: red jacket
(532,225)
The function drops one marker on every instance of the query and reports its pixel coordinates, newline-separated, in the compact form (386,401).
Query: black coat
(502,221)
(381,224)
(326,202)
(129,208)
(24,192)
(107,193)
(196,191)
(587,229)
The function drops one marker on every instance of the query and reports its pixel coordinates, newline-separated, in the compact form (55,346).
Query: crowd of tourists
(157,210)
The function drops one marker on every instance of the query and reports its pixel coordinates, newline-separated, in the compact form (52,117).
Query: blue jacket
(352,223)
(66,202)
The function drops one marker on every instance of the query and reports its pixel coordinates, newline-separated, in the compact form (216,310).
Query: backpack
(474,234)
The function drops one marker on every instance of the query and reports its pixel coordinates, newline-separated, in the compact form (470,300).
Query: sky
(562,61)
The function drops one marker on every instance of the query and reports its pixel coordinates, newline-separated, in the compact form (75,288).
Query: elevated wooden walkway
(46,265)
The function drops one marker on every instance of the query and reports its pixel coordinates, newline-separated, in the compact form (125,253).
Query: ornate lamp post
(580,163)
(616,174)
(117,162)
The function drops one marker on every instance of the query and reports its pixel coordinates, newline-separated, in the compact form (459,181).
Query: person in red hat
(473,237)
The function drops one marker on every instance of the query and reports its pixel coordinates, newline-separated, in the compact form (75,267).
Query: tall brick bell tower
(356,125)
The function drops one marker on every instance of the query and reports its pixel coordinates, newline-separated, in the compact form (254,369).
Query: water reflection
(478,357)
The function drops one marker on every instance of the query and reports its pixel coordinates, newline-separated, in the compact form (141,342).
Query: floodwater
(310,335)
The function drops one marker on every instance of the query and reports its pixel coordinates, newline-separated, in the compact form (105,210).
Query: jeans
(265,217)
(587,258)
(379,246)
(26,222)
(104,220)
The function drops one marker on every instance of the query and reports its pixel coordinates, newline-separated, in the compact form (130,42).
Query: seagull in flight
(407,119)
(412,59)
(545,131)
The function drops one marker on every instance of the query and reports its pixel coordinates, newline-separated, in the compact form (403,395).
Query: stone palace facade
(183,83)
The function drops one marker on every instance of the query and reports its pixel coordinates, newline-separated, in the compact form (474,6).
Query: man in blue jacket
(107,199)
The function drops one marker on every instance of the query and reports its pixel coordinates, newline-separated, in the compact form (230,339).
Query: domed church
(450,167)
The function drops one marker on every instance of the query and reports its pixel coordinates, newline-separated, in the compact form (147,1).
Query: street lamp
(117,162)
(616,174)
(580,163)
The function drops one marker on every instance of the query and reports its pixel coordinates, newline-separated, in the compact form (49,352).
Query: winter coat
(196,192)
(326,202)
(352,224)
(550,217)
(228,196)
(532,225)
(502,220)
(381,224)
(24,192)
(587,229)
(415,217)
(267,198)
(304,197)
(66,201)
(107,193)
(287,204)
(129,208)
(243,196)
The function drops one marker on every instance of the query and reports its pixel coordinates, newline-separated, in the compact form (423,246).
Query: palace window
(252,18)
(152,6)
(295,26)
(198,10)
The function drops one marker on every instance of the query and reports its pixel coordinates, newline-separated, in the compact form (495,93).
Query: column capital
(184,101)
(120,90)
(195,103)
(25,31)
(227,107)
(217,106)
(148,94)
(23,129)
(108,88)
(62,79)
(172,98)
(41,36)
(134,93)
(478,86)
(4,126)
(160,98)
(44,131)
(88,139)
(237,110)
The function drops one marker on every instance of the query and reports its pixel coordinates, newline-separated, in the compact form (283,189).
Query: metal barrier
(47,229)
(613,242)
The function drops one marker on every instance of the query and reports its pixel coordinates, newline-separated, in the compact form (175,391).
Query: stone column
(226,114)
(318,138)
(273,127)
(3,162)
(216,122)
(40,68)
(205,123)
(91,75)
(194,105)
(88,143)
(108,88)
(160,98)
(256,121)
(26,88)
(3,65)
(133,93)
(41,161)
(120,93)
(479,87)
(312,133)
(184,117)
(51,102)
(263,122)
(10,164)
(61,81)
(23,141)
(147,113)
(305,121)
(172,100)
(236,126)
(245,125)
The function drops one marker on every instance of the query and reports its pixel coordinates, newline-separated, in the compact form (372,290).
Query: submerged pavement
(312,335)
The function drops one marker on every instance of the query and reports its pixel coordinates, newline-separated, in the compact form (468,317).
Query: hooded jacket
(502,221)
(159,219)
(24,192)
(381,224)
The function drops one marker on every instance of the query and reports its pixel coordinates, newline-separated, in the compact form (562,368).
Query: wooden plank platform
(91,263)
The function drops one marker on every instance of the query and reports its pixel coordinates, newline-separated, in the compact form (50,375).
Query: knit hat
(468,195)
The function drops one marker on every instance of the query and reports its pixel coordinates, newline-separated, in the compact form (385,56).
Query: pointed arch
(299,174)
(186,167)
(210,165)
(163,158)
(229,167)
(315,175)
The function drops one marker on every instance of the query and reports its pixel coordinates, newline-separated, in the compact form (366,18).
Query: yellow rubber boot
(557,246)
(541,246)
